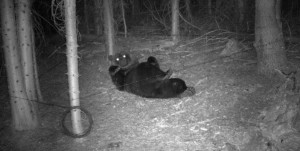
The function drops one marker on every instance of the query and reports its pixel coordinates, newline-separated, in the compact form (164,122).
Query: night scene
(150,75)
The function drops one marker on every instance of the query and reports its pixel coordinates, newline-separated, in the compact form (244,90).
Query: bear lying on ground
(146,79)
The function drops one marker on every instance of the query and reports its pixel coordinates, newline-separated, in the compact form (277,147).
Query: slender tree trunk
(269,43)
(124,19)
(35,68)
(218,6)
(25,34)
(98,17)
(175,21)
(72,61)
(109,26)
(241,10)
(209,7)
(188,9)
(24,114)
(86,17)
(135,7)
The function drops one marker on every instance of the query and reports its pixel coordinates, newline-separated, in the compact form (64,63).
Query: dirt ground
(224,114)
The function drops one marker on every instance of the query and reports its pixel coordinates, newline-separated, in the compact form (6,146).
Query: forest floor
(224,114)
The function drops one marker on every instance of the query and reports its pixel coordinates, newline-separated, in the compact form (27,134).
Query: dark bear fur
(125,62)
(146,79)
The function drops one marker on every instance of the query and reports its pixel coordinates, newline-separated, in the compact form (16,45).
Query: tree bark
(35,68)
(135,7)
(124,18)
(188,9)
(86,17)
(98,17)
(26,44)
(24,112)
(209,7)
(109,26)
(72,61)
(175,21)
(241,8)
(269,43)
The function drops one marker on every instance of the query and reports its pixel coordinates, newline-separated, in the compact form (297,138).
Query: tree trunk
(269,43)
(86,17)
(27,47)
(218,6)
(123,17)
(98,17)
(35,68)
(241,11)
(109,26)
(209,7)
(175,21)
(24,112)
(72,62)
(188,9)
(135,7)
